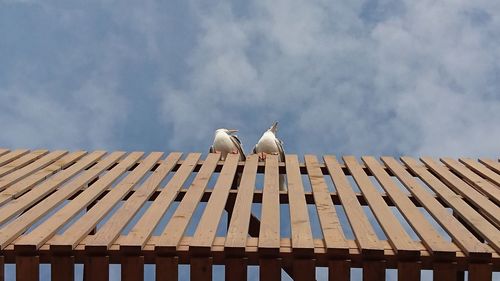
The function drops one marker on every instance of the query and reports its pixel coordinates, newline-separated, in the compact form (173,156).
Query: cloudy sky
(367,77)
(377,77)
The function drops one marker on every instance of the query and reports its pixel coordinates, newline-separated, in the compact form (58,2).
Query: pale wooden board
(11,156)
(22,161)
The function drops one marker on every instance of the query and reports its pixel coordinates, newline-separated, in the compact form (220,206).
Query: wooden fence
(65,208)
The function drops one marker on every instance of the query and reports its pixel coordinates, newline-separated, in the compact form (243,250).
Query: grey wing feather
(281,151)
(237,143)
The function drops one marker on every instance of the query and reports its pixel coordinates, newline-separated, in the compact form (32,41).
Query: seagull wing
(211,150)
(281,151)
(236,141)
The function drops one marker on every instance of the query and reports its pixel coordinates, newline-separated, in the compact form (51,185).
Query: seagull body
(225,142)
(270,144)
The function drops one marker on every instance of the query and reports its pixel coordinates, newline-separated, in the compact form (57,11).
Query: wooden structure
(66,208)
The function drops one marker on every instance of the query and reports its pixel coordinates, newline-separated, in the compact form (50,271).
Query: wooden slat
(339,270)
(304,270)
(22,186)
(11,156)
(177,225)
(473,179)
(76,232)
(140,233)
(366,239)
(31,168)
(2,268)
(20,224)
(374,271)
(482,204)
(445,271)
(302,238)
(335,241)
(465,211)
(481,170)
(167,268)
(201,267)
(48,228)
(105,236)
(209,221)
(62,268)
(27,268)
(15,207)
(3,151)
(433,241)
(465,240)
(269,236)
(237,232)
(480,272)
(132,268)
(236,268)
(409,271)
(270,268)
(22,161)
(492,164)
(97,268)
(398,238)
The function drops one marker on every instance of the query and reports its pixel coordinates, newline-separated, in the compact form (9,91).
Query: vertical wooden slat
(465,240)
(409,271)
(201,267)
(62,268)
(466,212)
(335,241)
(366,239)
(22,161)
(339,270)
(269,235)
(270,268)
(21,173)
(236,269)
(132,268)
(374,271)
(97,268)
(27,268)
(173,232)
(22,186)
(304,270)
(2,268)
(167,268)
(445,271)
(480,271)
(76,232)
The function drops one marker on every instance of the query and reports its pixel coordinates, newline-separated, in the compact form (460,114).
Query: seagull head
(227,131)
(274,127)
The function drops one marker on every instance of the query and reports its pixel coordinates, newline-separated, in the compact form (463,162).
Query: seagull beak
(232,131)
(274,127)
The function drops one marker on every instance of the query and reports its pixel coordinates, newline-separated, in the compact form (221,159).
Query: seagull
(225,142)
(270,144)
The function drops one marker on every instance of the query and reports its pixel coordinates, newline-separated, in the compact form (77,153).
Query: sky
(373,77)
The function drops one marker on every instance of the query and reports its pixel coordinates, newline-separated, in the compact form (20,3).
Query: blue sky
(374,77)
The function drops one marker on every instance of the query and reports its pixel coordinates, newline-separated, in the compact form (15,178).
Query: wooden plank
(11,156)
(3,151)
(21,173)
(20,224)
(179,221)
(27,268)
(302,238)
(366,239)
(22,161)
(31,197)
(473,179)
(464,210)
(209,221)
(62,268)
(433,241)
(270,268)
(167,268)
(304,270)
(481,170)
(482,204)
(236,268)
(409,270)
(201,267)
(335,241)
(2,268)
(269,235)
(374,271)
(48,228)
(339,270)
(132,268)
(492,164)
(76,232)
(398,238)
(144,228)
(464,239)
(97,268)
(22,186)
(237,232)
(480,271)
(445,271)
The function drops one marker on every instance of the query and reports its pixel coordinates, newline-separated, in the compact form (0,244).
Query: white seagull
(225,142)
(270,144)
